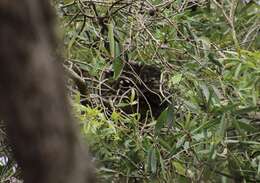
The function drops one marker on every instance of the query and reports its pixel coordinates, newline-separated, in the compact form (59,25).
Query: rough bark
(33,98)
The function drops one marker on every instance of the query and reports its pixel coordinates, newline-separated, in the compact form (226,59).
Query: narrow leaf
(111,39)
(118,64)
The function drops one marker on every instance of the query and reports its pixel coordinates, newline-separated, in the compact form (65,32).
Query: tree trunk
(33,98)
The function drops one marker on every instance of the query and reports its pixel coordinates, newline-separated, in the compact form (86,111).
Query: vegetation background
(208,53)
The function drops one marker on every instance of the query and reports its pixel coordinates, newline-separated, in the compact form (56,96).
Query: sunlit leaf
(179,168)
(111,39)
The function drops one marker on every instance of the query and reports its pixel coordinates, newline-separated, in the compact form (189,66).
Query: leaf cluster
(208,54)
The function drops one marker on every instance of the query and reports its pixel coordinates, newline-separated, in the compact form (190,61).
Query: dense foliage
(208,52)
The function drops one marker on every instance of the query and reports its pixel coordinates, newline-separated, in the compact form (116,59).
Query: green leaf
(176,79)
(205,126)
(132,97)
(71,43)
(191,106)
(162,167)
(246,126)
(205,91)
(68,1)
(118,64)
(212,151)
(166,117)
(111,39)
(181,170)
(152,160)
(222,128)
(237,72)
(246,110)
